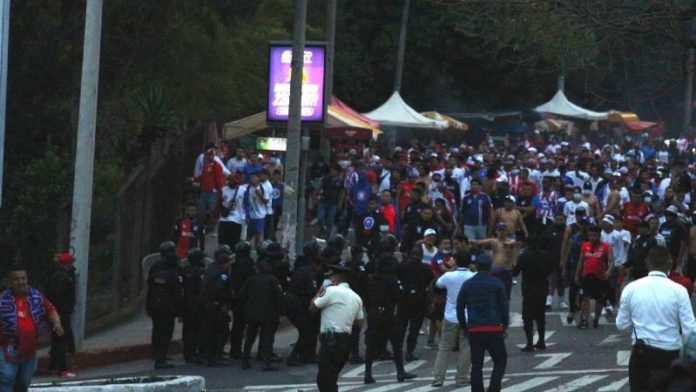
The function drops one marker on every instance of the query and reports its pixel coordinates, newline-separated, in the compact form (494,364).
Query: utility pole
(689,90)
(292,158)
(4,41)
(84,162)
(325,144)
(402,46)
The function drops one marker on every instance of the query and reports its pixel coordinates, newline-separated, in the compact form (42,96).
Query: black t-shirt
(330,188)
(675,235)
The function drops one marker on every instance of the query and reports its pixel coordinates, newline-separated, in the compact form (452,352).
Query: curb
(118,354)
(107,356)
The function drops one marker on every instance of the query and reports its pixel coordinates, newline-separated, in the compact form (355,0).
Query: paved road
(576,360)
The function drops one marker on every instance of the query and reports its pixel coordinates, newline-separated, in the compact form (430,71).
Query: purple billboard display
(280,70)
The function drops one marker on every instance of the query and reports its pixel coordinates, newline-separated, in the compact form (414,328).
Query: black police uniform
(242,269)
(164,300)
(303,286)
(61,292)
(415,278)
(260,300)
(193,275)
(383,291)
(356,281)
(217,295)
(535,266)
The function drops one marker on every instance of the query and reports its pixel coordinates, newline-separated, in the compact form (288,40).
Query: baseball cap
(481,259)
(672,209)
(510,198)
(500,225)
(429,232)
(608,219)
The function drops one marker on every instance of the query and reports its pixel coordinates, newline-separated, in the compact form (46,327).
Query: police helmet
(386,244)
(337,242)
(195,256)
(168,250)
(310,248)
(223,253)
(274,249)
(242,248)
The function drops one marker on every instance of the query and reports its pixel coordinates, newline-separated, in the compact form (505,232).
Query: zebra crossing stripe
(536,338)
(577,384)
(529,384)
(615,386)
(553,360)
(390,387)
(622,357)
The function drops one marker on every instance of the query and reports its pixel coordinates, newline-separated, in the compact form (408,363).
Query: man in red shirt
(212,179)
(634,211)
(388,211)
(592,274)
(25,315)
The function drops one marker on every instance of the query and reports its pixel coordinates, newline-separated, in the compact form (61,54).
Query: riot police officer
(192,316)
(242,269)
(217,297)
(164,298)
(302,288)
(383,292)
(356,281)
(260,299)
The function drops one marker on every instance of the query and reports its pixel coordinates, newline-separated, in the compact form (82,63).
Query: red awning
(348,133)
(639,126)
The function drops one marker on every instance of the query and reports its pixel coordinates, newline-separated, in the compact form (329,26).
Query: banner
(271,143)
(280,71)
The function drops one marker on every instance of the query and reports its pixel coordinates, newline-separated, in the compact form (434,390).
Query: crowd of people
(424,232)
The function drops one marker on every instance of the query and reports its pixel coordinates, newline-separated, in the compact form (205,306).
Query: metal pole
(302,203)
(84,162)
(292,158)
(402,46)
(560,83)
(689,90)
(5,4)
(324,143)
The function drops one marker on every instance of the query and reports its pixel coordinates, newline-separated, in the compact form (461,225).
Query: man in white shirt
(341,308)
(654,310)
(452,281)
(619,240)
(232,213)
(269,230)
(237,162)
(571,206)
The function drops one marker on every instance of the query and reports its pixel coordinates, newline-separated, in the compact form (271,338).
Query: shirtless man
(511,217)
(504,251)
(613,201)
(595,210)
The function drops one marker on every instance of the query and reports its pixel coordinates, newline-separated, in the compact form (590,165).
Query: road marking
(622,357)
(360,369)
(515,320)
(529,384)
(615,386)
(577,384)
(546,337)
(611,339)
(389,387)
(553,360)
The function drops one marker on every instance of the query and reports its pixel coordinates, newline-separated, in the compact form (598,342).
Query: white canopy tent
(561,106)
(396,112)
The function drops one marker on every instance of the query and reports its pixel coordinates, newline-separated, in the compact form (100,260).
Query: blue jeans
(207,202)
(475,232)
(494,343)
(16,376)
(326,215)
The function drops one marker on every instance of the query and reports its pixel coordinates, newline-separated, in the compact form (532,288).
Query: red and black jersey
(188,234)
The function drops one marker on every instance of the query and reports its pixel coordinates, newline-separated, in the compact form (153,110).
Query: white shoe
(564,305)
(549,301)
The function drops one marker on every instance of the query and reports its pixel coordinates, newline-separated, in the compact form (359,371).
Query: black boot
(541,343)
(293,358)
(529,334)
(401,374)
(368,372)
